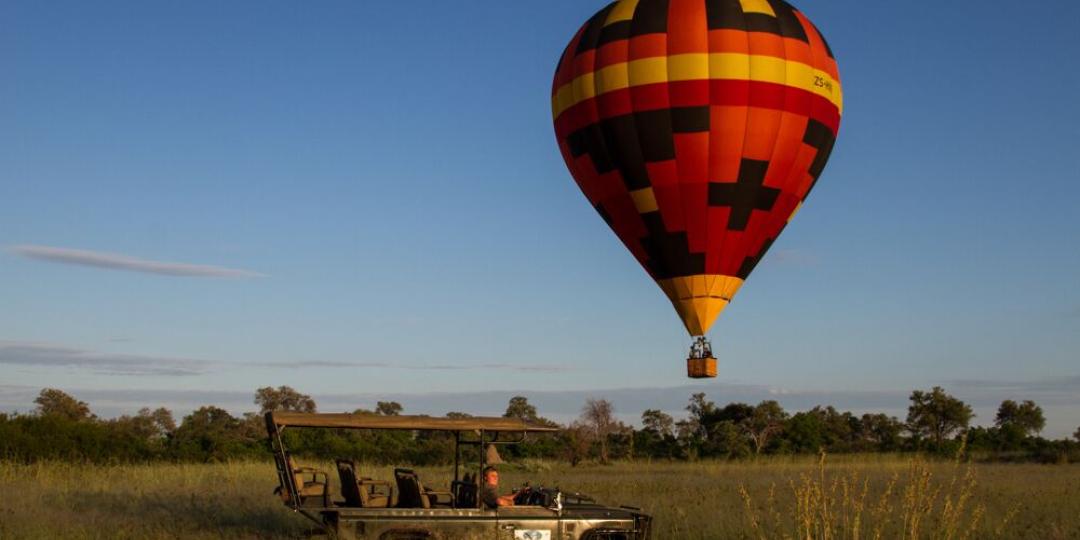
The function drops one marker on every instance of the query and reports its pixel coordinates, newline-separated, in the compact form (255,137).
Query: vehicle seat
(465,492)
(413,494)
(362,492)
(310,490)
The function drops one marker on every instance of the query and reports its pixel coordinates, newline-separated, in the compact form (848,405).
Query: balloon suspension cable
(701,348)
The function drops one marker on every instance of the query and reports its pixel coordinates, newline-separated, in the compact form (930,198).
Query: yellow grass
(846,497)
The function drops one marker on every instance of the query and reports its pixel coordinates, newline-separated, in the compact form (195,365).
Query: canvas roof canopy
(372,421)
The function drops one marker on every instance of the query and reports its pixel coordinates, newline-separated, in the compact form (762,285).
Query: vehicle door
(528,523)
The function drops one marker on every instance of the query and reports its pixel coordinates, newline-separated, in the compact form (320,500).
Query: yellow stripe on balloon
(613,77)
(584,87)
(648,70)
(623,11)
(698,66)
(688,67)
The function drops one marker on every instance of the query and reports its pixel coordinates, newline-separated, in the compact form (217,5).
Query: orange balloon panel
(696,128)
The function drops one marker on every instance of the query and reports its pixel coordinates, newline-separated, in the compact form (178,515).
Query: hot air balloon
(696,128)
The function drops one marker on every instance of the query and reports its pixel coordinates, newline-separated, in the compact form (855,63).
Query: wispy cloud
(25,353)
(50,355)
(525,368)
(116,261)
(1064,389)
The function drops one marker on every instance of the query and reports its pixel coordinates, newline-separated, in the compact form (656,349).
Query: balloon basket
(701,368)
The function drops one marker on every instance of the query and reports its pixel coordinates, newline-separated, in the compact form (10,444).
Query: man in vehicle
(490,492)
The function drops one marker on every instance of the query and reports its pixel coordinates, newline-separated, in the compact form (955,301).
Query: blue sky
(385,176)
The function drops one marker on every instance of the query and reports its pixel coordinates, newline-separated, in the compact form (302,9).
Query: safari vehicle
(364,508)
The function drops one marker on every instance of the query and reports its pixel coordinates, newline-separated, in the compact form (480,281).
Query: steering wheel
(523,496)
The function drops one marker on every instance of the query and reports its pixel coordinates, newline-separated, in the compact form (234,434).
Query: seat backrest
(465,492)
(410,493)
(298,477)
(350,489)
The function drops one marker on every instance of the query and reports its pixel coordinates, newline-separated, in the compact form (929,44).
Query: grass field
(848,497)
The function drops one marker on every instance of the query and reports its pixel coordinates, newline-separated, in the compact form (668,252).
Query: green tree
(805,432)
(211,434)
(539,445)
(162,418)
(388,408)
(735,413)
(252,426)
(825,428)
(149,426)
(1026,418)
(599,415)
(766,421)
(688,437)
(576,439)
(520,408)
(657,436)
(658,422)
(841,429)
(53,402)
(283,398)
(621,441)
(707,432)
(728,439)
(1076,435)
(692,432)
(881,431)
(936,415)
(701,410)
(833,429)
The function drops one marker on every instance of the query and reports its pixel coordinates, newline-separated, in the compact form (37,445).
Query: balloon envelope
(696,128)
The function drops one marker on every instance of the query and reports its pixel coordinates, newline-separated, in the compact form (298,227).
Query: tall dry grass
(916,504)
(65,500)
(842,497)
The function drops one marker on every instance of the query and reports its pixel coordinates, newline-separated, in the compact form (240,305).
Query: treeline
(64,428)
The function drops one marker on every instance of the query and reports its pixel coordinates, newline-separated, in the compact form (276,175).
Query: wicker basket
(701,368)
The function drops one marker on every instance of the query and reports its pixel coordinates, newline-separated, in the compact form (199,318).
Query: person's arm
(506,500)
